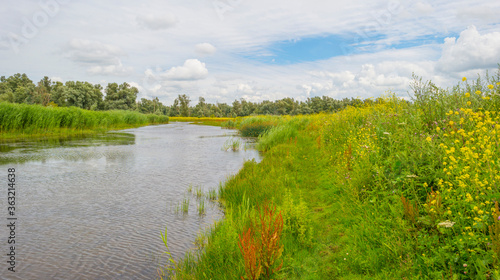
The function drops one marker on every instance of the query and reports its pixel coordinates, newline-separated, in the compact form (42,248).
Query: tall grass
(390,190)
(33,119)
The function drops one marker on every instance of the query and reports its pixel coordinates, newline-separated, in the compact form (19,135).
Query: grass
(201,206)
(22,120)
(202,121)
(390,190)
(198,192)
(232,144)
(212,194)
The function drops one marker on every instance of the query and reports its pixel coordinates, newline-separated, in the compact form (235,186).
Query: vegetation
(387,190)
(17,120)
(18,88)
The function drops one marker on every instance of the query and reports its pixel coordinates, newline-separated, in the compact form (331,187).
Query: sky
(224,50)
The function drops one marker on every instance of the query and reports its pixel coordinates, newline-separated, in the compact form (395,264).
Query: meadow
(29,121)
(392,189)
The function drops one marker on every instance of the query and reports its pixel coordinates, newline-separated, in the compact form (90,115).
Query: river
(93,208)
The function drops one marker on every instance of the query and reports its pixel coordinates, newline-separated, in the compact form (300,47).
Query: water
(94,208)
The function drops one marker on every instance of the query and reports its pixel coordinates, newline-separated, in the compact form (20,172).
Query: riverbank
(202,121)
(20,121)
(387,190)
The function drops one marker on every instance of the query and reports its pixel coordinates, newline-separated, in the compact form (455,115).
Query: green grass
(22,120)
(201,207)
(202,121)
(390,190)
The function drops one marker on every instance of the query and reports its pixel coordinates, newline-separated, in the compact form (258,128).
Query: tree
(184,105)
(236,109)
(120,97)
(18,88)
(174,110)
(83,95)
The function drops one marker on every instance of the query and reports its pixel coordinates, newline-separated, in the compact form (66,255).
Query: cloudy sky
(257,50)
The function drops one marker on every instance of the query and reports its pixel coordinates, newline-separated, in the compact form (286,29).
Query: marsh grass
(233,144)
(212,194)
(185,206)
(198,192)
(201,207)
(21,120)
(203,121)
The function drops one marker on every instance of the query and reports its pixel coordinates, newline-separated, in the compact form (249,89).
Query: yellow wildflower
(467,94)
(491,86)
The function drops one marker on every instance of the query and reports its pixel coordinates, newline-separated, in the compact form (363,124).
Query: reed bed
(16,119)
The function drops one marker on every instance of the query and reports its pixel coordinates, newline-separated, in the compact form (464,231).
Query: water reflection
(93,208)
(43,149)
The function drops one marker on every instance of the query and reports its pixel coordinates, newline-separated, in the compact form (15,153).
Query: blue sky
(257,50)
(323,47)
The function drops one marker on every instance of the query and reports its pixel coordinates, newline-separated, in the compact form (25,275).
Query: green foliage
(296,218)
(382,190)
(120,97)
(33,119)
(282,133)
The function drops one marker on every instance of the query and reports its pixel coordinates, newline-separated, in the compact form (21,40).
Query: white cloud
(157,22)
(115,39)
(115,70)
(193,69)
(56,79)
(86,51)
(245,88)
(99,58)
(470,51)
(424,8)
(205,49)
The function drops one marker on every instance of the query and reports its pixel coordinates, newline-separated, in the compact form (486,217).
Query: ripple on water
(94,208)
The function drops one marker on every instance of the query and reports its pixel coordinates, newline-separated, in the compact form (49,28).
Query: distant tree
(58,94)
(120,97)
(83,95)
(184,105)
(6,93)
(153,106)
(174,109)
(17,88)
(236,109)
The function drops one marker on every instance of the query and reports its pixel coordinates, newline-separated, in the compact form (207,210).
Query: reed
(24,119)
(201,207)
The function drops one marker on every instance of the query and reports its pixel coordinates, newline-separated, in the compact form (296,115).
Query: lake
(93,208)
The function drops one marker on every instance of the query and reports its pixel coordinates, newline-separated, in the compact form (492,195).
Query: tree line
(19,88)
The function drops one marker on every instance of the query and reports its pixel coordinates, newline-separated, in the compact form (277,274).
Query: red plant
(248,249)
(261,253)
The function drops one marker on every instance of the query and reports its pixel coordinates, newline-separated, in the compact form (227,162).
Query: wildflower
(464,79)
(428,139)
(468,103)
(438,129)
(491,86)
(465,265)
(446,224)
(467,94)
(478,92)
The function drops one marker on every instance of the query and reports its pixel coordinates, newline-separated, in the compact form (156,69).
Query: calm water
(94,208)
